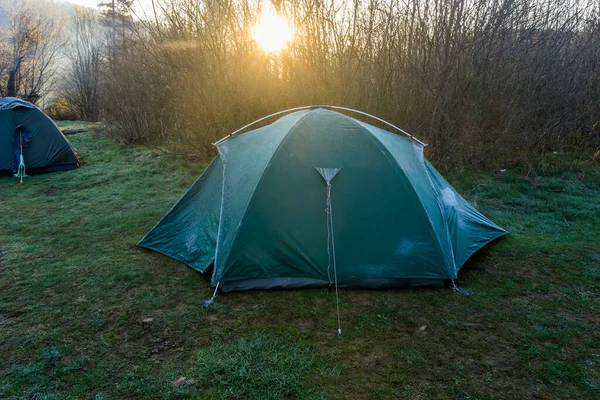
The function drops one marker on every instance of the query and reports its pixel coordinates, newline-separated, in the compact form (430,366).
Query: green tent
(318,198)
(30,142)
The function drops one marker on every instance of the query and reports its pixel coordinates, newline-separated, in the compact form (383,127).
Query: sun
(273,32)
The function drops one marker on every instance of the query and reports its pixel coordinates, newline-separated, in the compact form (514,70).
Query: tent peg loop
(214,296)
(458,290)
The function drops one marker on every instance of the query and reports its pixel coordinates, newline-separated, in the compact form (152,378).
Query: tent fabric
(47,148)
(257,215)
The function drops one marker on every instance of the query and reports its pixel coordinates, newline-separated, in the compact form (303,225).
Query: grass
(86,314)
(261,366)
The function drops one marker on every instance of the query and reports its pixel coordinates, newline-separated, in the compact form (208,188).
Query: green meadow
(85,314)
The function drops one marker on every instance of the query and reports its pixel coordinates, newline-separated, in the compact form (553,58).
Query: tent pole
(381,120)
(319,106)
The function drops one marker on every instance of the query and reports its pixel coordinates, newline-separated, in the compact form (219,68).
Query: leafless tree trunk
(30,44)
(85,56)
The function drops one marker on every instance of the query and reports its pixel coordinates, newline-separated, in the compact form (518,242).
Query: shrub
(60,109)
(479,81)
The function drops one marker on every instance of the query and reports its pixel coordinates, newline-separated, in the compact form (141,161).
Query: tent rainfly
(318,198)
(30,142)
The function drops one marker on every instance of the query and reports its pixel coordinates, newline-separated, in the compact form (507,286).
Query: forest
(484,83)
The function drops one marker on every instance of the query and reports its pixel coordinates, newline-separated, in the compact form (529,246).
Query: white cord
(330,234)
(327,211)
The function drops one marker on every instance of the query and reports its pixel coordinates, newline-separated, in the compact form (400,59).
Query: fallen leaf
(179,382)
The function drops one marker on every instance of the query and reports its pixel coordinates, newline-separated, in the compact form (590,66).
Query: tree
(85,55)
(29,46)
(116,16)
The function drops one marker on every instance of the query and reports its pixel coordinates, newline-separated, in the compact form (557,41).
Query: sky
(87,3)
(138,4)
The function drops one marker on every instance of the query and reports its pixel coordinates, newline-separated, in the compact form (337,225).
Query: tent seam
(383,149)
(214,272)
(444,218)
(235,236)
